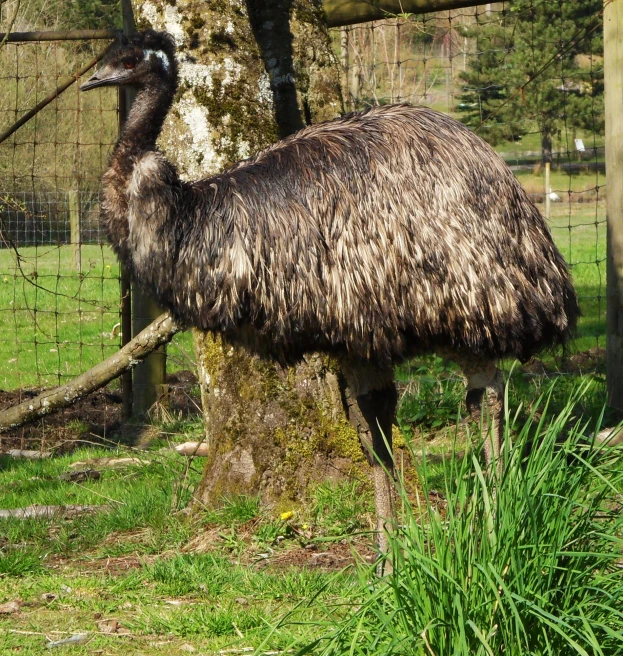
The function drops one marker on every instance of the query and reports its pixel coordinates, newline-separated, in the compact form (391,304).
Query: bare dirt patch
(97,417)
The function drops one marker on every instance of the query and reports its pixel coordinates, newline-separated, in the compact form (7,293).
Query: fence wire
(527,76)
(59,281)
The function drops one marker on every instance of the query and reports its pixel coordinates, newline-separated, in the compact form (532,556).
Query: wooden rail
(59,35)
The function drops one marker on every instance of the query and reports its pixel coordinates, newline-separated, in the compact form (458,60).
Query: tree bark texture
(271,431)
(159,332)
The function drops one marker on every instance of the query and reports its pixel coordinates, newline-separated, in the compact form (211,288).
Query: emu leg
(485,391)
(372,414)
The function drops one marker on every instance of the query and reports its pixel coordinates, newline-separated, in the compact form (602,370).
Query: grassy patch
(59,323)
(531,569)
(226,578)
(132,563)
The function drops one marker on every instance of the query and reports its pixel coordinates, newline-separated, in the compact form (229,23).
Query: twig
(11,23)
(30,512)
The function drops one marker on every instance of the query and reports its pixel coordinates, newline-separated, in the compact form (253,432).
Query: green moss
(398,439)
(344,441)
(211,350)
(197,22)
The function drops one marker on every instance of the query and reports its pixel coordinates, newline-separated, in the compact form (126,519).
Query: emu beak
(91,83)
(106,76)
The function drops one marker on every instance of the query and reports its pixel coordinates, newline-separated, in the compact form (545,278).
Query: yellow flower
(305,527)
(287,515)
(6,279)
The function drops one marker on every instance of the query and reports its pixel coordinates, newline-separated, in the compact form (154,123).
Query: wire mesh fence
(59,281)
(527,76)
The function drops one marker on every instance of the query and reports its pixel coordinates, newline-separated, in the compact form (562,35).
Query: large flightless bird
(375,236)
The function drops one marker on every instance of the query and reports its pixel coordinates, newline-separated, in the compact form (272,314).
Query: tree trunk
(272,431)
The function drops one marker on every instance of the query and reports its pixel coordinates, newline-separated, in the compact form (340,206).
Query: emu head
(145,59)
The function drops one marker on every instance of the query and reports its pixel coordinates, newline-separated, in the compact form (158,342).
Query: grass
(126,563)
(533,568)
(59,323)
(232,577)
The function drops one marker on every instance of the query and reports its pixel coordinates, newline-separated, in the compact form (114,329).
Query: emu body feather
(380,234)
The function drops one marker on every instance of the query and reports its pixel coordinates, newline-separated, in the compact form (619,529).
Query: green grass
(54,319)
(146,494)
(172,579)
(125,562)
(58,323)
(533,568)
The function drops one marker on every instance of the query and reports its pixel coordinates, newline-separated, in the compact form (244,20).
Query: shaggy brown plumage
(381,234)
(375,236)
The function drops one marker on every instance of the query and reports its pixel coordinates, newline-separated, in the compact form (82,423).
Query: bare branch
(158,332)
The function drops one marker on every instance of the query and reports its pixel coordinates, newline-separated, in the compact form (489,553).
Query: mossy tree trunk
(252,71)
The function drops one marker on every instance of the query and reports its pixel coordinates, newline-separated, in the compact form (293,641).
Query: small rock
(11,607)
(108,626)
(48,597)
(187,648)
(242,601)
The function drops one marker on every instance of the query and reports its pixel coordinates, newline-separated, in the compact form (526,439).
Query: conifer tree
(535,69)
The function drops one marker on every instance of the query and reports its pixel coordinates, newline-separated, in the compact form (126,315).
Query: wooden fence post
(73,199)
(148,382)
(344,67)
(613,77)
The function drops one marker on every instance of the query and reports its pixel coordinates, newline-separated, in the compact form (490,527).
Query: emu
(375,236)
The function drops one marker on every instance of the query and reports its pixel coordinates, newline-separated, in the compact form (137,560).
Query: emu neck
(143,125)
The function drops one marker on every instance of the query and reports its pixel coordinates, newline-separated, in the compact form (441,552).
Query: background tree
(532,69)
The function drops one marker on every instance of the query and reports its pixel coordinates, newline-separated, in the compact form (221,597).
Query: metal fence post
(613,78)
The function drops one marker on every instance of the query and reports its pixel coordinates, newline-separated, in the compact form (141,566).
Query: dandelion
(5,279)
(287,515)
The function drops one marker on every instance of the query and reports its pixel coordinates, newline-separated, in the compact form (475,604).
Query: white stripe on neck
(161,56)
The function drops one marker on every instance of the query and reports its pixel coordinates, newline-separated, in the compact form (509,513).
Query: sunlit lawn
(57,323)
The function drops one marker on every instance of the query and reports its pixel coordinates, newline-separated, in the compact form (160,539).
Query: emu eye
(129,63)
